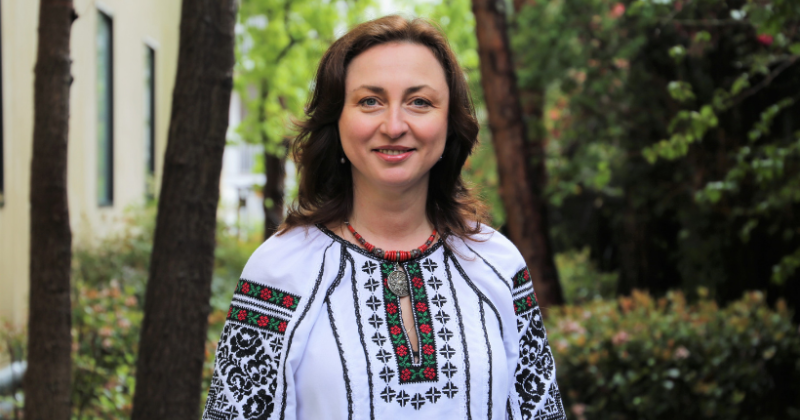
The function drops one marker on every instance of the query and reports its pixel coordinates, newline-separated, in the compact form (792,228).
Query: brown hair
(326,186)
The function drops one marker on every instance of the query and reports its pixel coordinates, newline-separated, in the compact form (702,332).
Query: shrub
(108,288)
(644,358)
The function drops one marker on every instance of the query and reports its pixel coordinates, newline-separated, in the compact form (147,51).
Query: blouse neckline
(363,251)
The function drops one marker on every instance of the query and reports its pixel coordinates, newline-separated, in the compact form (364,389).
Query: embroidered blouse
(314,332)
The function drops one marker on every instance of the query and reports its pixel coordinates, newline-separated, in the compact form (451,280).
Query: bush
(580,279)
(108,288)
(642,358)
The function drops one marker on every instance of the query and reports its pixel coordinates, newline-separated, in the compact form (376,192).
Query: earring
(342,160)
(440,157)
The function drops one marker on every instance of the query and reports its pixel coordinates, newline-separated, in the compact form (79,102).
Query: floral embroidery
(257,319)
(527,301)
(426,370)
(267,294)
(523,276)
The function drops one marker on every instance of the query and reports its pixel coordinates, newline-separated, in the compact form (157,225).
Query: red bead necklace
(398,256)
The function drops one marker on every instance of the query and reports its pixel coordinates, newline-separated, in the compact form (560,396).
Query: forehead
(396,64)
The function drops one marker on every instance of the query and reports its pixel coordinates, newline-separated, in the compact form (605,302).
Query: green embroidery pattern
(427,370)
(267,294)
(257,319)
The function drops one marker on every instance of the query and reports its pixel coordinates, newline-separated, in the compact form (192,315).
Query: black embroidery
(489,350)
(299,320)
(475,289)
(265,295)
(361,331)
(535,383)
(248,370)
(450,390)
(218,407)
(433,395)
(348,388)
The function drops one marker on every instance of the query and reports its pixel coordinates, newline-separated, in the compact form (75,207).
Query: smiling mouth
(393,152)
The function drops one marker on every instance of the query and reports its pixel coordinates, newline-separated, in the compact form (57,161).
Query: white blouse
(314,332)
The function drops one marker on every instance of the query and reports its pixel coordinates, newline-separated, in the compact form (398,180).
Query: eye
(369,102)
(420,102)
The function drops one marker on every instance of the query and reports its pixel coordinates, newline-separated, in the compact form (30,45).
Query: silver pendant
(398,282)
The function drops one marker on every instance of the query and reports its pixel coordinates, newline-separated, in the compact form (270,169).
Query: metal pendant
(398,282)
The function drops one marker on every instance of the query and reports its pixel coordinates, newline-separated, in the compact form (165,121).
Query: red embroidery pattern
(267,294)
(526,302)
(258,320)
(427,369)
(523,276)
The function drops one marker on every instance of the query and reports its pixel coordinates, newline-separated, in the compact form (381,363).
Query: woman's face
(393,125)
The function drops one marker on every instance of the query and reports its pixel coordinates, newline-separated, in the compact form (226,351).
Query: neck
(390,219)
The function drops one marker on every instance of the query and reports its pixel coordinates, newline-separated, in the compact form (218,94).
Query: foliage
(12,349)
(108,285)
(644,358)
(671,148)
(279,44)
(580,279)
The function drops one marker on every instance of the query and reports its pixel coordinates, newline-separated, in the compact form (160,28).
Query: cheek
(355,128)
(433,131)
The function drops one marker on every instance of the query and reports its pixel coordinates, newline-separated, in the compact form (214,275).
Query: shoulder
(289,262)
(495,249)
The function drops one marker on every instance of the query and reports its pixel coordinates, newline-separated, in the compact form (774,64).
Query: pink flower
(681,353)
(765,39)
(619,338)
(617,10)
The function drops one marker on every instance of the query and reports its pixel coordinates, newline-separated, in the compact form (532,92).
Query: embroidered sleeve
(250,353)
(535,392)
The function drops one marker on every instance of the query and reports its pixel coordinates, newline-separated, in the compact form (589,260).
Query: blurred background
(669,133)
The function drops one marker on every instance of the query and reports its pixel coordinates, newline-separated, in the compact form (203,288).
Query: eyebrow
(379,90)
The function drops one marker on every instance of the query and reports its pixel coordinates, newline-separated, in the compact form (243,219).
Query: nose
(394,125)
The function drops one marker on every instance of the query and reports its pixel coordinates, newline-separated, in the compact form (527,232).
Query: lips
(393,154)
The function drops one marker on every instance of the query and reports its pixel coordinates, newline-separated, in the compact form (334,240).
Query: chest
(460,366)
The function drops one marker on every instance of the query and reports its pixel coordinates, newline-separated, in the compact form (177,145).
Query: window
(105,111)
(150,121)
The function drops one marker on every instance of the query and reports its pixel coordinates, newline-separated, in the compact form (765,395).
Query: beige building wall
(135,24)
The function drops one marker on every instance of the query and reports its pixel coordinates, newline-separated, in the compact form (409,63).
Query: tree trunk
(274,168)
(275,171)
(48,378)
(169,369)
(520,162)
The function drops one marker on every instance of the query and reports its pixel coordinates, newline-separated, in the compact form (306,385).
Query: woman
(384,296)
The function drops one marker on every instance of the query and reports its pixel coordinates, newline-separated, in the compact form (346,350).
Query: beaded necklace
(397,256)
(397,280)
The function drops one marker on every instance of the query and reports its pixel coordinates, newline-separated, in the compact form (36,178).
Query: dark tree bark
(169,369)
(273,191)
(47,381)
(274,167)
(520,162)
